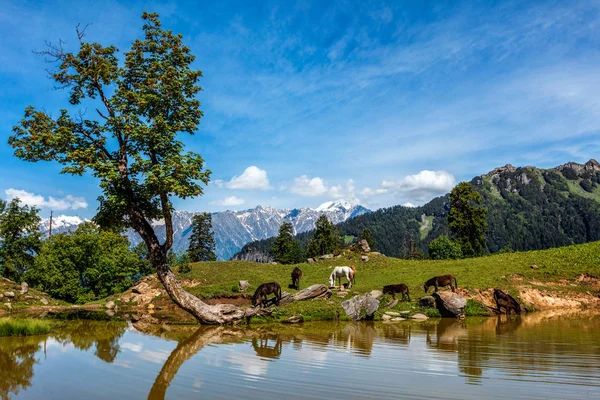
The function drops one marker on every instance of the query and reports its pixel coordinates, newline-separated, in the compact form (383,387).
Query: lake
(540,355)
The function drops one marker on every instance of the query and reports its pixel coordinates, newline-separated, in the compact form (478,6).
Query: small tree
(443,248)
(467,219)
(366,235)
(325,240)
(285,248)
(19,238)
(202,242)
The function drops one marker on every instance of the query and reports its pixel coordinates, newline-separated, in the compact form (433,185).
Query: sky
(372,102)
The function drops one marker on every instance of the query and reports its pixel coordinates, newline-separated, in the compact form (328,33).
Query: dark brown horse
(265,289)
(441,281)
(399,288)
(296,276)
(506,301)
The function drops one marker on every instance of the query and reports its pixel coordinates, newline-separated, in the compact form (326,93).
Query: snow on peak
(330,205)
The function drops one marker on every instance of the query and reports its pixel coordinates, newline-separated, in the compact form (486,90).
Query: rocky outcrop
(361,307)
(363,245)
(427,301)
(24,288)
(243,285)
(450,304)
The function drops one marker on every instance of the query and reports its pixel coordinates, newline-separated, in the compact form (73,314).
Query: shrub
(443,248)
(184,268)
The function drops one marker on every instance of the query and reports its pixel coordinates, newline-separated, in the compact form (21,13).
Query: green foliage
(570,173)
(184,268)
(19,238)
(467,219)
(285,249)
(326,238)
(444,248)
(23,327)
(587,185)
(202,242)
(366,235)
(475,308)
(85,265)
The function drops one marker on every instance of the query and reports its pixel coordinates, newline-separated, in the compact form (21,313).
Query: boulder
(450,304)
(427,301)
(392,303)
(243,285)
(386,317)
(273,262)
(325,256)
(360,307)
(140,288)
(364,246)
(364,258)
(8,305)
(376,294)
(294,319)
(420,317)
(44,301)
(110,305)
(110,313)
(310,260)
(9,295)
(24,288)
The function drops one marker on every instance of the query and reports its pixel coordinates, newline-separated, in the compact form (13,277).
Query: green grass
(565,263)
(23,327)
(426,226)
(574,187)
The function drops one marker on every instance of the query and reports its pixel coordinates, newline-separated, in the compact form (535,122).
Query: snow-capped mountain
(61,223)
(233,229)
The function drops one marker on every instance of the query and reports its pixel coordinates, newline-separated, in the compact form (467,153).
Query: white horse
(339,272)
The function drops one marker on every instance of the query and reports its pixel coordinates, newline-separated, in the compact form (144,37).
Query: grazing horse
(265,289)
(441,281)
(399,288)
(339,272)
(296,276)
(506,301)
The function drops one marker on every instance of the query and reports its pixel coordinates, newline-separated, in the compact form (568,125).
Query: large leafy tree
(444,248)
(132,145)
(19,238)
(467,219)
(285,248)
(326,238)
(202,241)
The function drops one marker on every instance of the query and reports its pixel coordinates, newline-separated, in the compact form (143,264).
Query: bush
(23,327)
(443,248)
(184,268)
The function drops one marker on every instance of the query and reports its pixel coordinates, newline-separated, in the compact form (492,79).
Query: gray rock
(392,313)
(450,304)
(420,317)
(10,295)
(386,317)
(404,312)
(360,307)
(364,258)
(392,303)
(364,246)
(294,319)
(110,305)
(427,301)
(325,256)
(398,319)
(8,305)
(376,294)
(44,301)
(110,313)
(24,288)
(310,260)
(243,285)
(140,288)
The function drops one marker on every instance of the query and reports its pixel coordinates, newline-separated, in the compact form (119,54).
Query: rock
(404,312)
(364,246)
(338,256)
(110,313)
(8,305)
(392,313)
(386,317)
(534,266)
(342,294)
(325,256)
(374,253)
(364,258)
(310,260)
(44,301)
(274,262)
(243,285)
(150,306)
(140,288)
(398,319)
(125,299)
(126,316)
(427,301)
(392,303)
(294,319)
(135,317)
(24,287)
(450,304)
(149,319)
(1,296)
(376,294)
(29,297)
(420,317)
(110,305)
(10,295)
(318,291)
(360,307)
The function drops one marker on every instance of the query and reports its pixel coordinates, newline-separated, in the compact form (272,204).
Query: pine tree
(286,249)
(202,242)
(467,219)
(366,235)
(325,240)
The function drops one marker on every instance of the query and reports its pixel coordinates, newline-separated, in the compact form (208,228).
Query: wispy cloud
(230,201)
(68,202)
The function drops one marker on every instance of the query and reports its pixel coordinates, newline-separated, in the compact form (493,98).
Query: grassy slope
(565,263)
(24,301)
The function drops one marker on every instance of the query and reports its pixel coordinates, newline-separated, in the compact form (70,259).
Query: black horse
(399,288)
(441,281)
(265,289)
(296,276)
(506,301)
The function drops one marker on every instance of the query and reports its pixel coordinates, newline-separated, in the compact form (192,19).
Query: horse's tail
(455,282)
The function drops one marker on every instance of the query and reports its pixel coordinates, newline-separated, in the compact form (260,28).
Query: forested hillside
(528,209)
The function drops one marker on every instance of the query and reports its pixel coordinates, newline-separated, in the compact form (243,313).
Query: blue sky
(375,102)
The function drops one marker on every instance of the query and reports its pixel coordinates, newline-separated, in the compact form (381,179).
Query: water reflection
(17,358)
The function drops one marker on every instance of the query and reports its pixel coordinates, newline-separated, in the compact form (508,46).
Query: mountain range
(232,229)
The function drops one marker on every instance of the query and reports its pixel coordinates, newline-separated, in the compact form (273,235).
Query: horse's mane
(353,268)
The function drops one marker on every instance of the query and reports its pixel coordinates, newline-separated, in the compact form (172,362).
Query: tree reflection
(85,334)
(17,358)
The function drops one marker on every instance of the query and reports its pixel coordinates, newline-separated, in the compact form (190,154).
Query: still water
(541,355)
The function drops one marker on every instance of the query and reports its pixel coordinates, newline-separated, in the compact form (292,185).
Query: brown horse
(506,301)
(296,276)
(399,288)
(441,281)
(265,289)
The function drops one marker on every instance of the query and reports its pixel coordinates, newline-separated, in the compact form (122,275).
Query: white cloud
(305,186)
(36,200)
(373,192)
(422,186)
(252,178)
(229,201)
